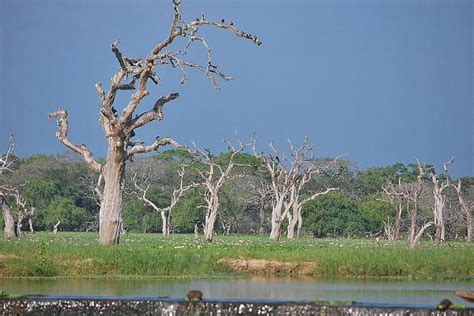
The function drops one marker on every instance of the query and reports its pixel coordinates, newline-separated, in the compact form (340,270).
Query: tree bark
(300,223)
(276,229)
(412,229)
(164,226)
(261,213)
(466,207)
(398,218)
(438,210)
(110,215)
(211,218)
(292,220)
(9,229)
(276,220)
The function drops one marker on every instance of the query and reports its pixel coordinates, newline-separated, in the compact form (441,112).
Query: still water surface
(411,293)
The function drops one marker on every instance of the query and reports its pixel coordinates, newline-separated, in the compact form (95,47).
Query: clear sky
(381,81)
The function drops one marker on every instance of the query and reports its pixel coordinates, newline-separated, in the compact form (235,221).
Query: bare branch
(156,113)
(159,141)
(5,160)
(118,55)
(315,195)
(61,134)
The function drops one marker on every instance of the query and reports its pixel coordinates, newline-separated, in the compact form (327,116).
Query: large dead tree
(213,176)
(466,208)
(439,200)
(288,178)
(165,212)
(134,74)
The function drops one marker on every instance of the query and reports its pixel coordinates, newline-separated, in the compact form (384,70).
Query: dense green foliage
(336,214)
(78,254)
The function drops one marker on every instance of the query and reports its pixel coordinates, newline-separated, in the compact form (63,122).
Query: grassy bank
(79,255)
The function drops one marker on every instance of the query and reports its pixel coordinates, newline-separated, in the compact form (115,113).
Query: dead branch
(159,141)
(61,134)
(5,160)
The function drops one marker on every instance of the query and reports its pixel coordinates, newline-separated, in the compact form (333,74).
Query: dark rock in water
(194,296)
(444,305)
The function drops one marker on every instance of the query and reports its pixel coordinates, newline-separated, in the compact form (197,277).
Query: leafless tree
(412,192)
(24,213)
(439,199)
(213,178)
(288,177)
(394,194)
(389,230)
(119,130)
(9,221)
(14,222)
(466,208)
(262,198)
(165,212)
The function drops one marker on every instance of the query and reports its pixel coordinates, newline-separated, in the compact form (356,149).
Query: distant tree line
(367,203)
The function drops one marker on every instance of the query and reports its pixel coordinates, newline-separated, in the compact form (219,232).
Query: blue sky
(380,81)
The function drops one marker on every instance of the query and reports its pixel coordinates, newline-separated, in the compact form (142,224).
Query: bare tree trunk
(276,229)
(19,224)
(416,238)
(211,217)
(164,226)
(438,210)
(398,218)
(466,207)
(261,230)
(412,229)
(469,225)
(30,223)
(9,229)
(110,215)
(196,231)
(300,223)
(292,220)
(56,227)
(276,220)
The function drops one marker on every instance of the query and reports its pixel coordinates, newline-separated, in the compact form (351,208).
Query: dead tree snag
(213,178)
(134,74)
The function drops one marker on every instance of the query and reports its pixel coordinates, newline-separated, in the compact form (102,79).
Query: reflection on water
(412,293)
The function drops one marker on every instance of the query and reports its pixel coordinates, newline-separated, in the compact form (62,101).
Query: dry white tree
(9,221)
(439,199)
(288,178)
(6,160)
(14,221)
(394,194)
(165,212)
(262,197)
(412,192)
(466,208)
(213,177)
(119,129)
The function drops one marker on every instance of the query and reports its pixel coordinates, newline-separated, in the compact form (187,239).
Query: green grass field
(142,255)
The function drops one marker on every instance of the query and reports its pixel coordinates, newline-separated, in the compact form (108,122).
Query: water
(407,293)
